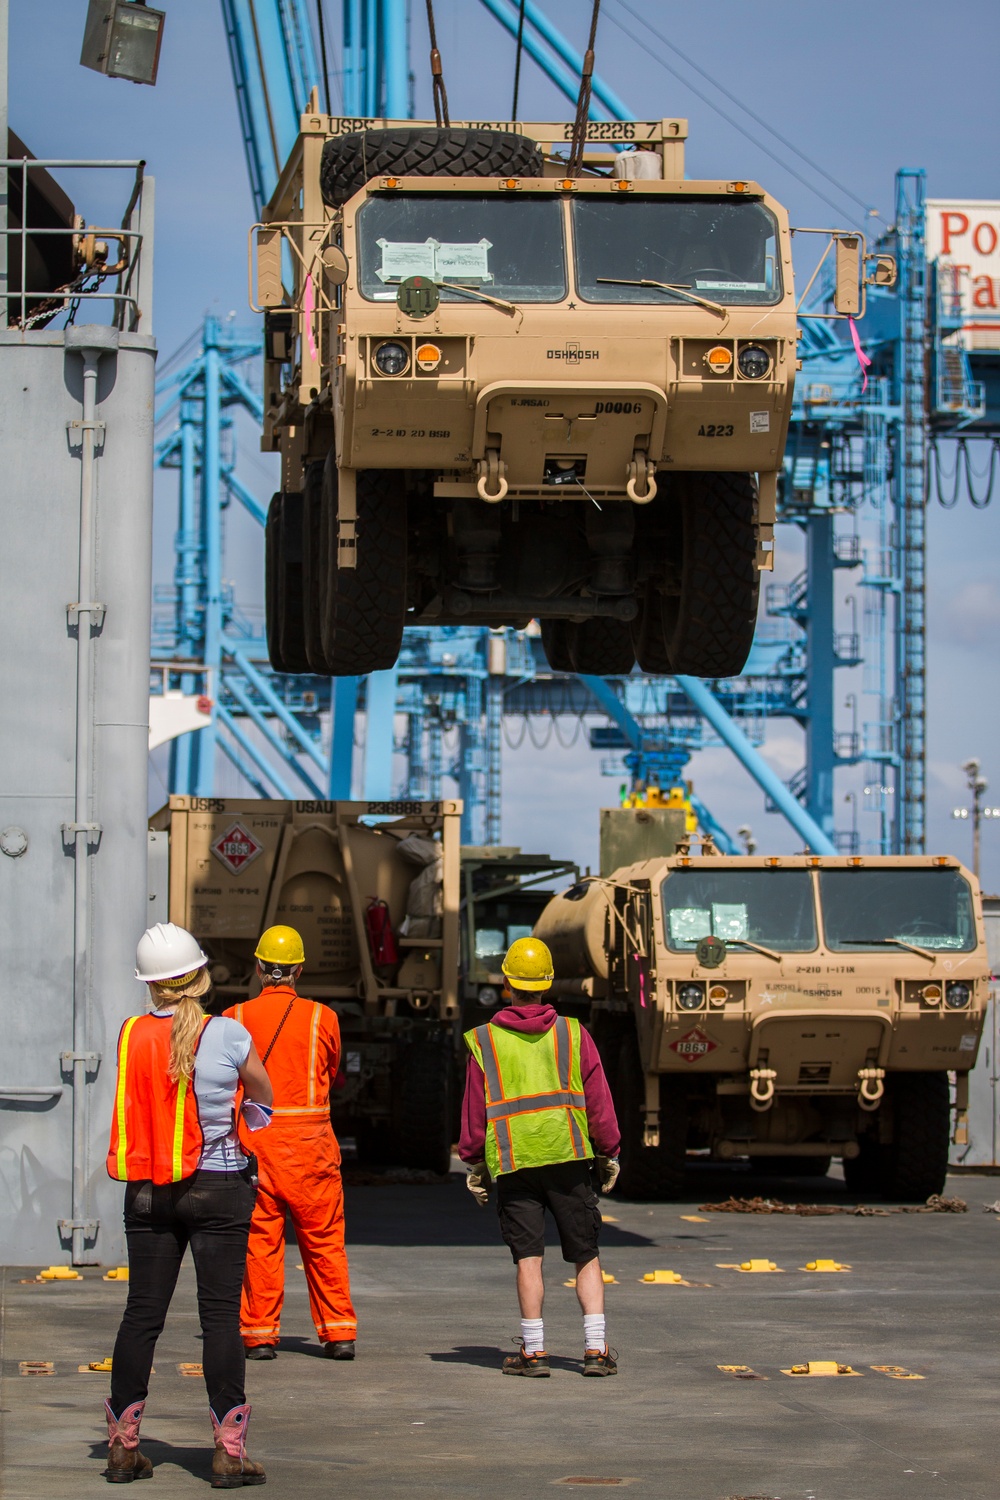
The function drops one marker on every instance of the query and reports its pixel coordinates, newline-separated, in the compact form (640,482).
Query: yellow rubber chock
(59,1273)
(824,1265)
(117,1273)
(664,1278)
(821,1367)
(99,1366)
(606,1277)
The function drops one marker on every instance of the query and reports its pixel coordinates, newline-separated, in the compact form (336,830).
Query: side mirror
(336,266)
(884,273)
(847,292)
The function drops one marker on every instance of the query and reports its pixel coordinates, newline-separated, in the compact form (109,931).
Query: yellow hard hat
(280,945)
(528,965)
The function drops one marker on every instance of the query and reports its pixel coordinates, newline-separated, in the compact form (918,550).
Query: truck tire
(555,644)
(365,606)
(601,647)
(313,568)
(649,1172)
(286,639)
(648,641)
(861,1172)
(423,1131)
(915,1162)
(350,160)
(708,628)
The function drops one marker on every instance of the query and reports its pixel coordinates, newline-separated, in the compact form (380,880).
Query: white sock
(594,1336)
(533,1335)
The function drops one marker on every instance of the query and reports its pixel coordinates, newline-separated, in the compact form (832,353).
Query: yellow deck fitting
(190,1369)
(36,1367)
(606,1277)
(98,1366)
(824,1265)
(751,1267)
(117,1273)
(59,1273)
(741,1372)
(665,1278)
(608,1219)
(896,1372)
(693,1219)
(821,1367)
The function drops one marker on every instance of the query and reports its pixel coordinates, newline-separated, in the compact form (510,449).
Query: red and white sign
(963,236)
(236,848)
(695,1044)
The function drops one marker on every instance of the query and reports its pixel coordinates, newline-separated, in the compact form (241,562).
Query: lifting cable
(940,483)
(575,163)
(437,75)
(517,60)
(322,55)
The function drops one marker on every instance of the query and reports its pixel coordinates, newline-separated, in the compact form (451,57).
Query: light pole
(977,785)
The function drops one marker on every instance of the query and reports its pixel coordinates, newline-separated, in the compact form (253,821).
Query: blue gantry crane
(855,483)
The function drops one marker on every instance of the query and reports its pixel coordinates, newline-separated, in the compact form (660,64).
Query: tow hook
(762,1088)
(491,484)
(872,1087)
(641,483)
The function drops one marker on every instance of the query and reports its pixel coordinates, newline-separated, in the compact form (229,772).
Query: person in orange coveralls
(299,1158)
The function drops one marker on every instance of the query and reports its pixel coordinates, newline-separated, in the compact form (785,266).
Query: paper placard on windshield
(436,259)
(401,259)
(689,923)
(732,286)
(457,262)
(730,922)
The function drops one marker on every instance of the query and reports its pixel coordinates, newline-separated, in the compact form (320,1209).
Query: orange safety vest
(306,1054)
(156,1134)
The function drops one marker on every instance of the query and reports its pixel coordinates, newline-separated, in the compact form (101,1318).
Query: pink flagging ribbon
(309,307)
(863,359)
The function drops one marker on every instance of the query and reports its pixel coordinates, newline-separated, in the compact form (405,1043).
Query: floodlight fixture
(122,39)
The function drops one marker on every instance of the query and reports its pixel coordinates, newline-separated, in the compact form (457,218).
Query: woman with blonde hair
(174,1142)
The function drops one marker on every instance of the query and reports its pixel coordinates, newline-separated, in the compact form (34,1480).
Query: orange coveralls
(299,1161)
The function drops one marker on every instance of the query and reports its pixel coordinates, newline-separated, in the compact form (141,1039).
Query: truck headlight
(957,995)
(392,358)
(489,995)
(754,362)
(691,996)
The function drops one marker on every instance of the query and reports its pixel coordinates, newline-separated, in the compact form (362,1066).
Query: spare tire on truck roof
(349,161)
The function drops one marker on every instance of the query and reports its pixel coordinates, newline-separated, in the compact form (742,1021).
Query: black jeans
(210,1211)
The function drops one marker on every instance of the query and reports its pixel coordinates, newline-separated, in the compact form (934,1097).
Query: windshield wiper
(682,290)
(746,943)
(885,942)
(472,291)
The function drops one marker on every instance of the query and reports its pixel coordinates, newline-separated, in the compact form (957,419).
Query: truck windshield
(772,907)
(506,246)
(927,908)
(725,250)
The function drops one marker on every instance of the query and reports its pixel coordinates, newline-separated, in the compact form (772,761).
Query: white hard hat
(167,951)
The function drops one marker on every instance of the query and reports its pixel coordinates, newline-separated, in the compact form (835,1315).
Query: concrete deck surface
(423,1411)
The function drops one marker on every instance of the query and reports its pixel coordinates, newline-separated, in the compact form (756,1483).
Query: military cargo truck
(789,1010)
(373,887)
(502,392)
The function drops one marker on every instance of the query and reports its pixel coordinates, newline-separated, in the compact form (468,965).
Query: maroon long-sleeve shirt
(602,1122)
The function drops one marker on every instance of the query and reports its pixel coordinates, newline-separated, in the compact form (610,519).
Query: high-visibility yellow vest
(536,1113)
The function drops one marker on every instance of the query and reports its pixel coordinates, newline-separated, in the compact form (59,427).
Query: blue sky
(861,89)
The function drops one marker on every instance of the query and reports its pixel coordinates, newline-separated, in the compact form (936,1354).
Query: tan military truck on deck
(501,392)
(373,887)
(790,1010)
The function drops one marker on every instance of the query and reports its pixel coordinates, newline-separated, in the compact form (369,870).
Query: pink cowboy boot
(125,1461)
(230,1465)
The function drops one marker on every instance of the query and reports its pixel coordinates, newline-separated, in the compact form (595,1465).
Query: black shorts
(567,1191)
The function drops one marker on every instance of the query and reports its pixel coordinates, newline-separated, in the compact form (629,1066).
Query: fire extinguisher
(381,939)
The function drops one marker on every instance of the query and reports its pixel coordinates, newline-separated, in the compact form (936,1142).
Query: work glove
(478,1183)
(608,1168)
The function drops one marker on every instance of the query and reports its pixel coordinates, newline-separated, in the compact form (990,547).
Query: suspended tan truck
(789,1010)
(503,393)
(373,887)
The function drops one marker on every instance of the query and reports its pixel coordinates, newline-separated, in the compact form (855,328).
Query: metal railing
(129,289)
